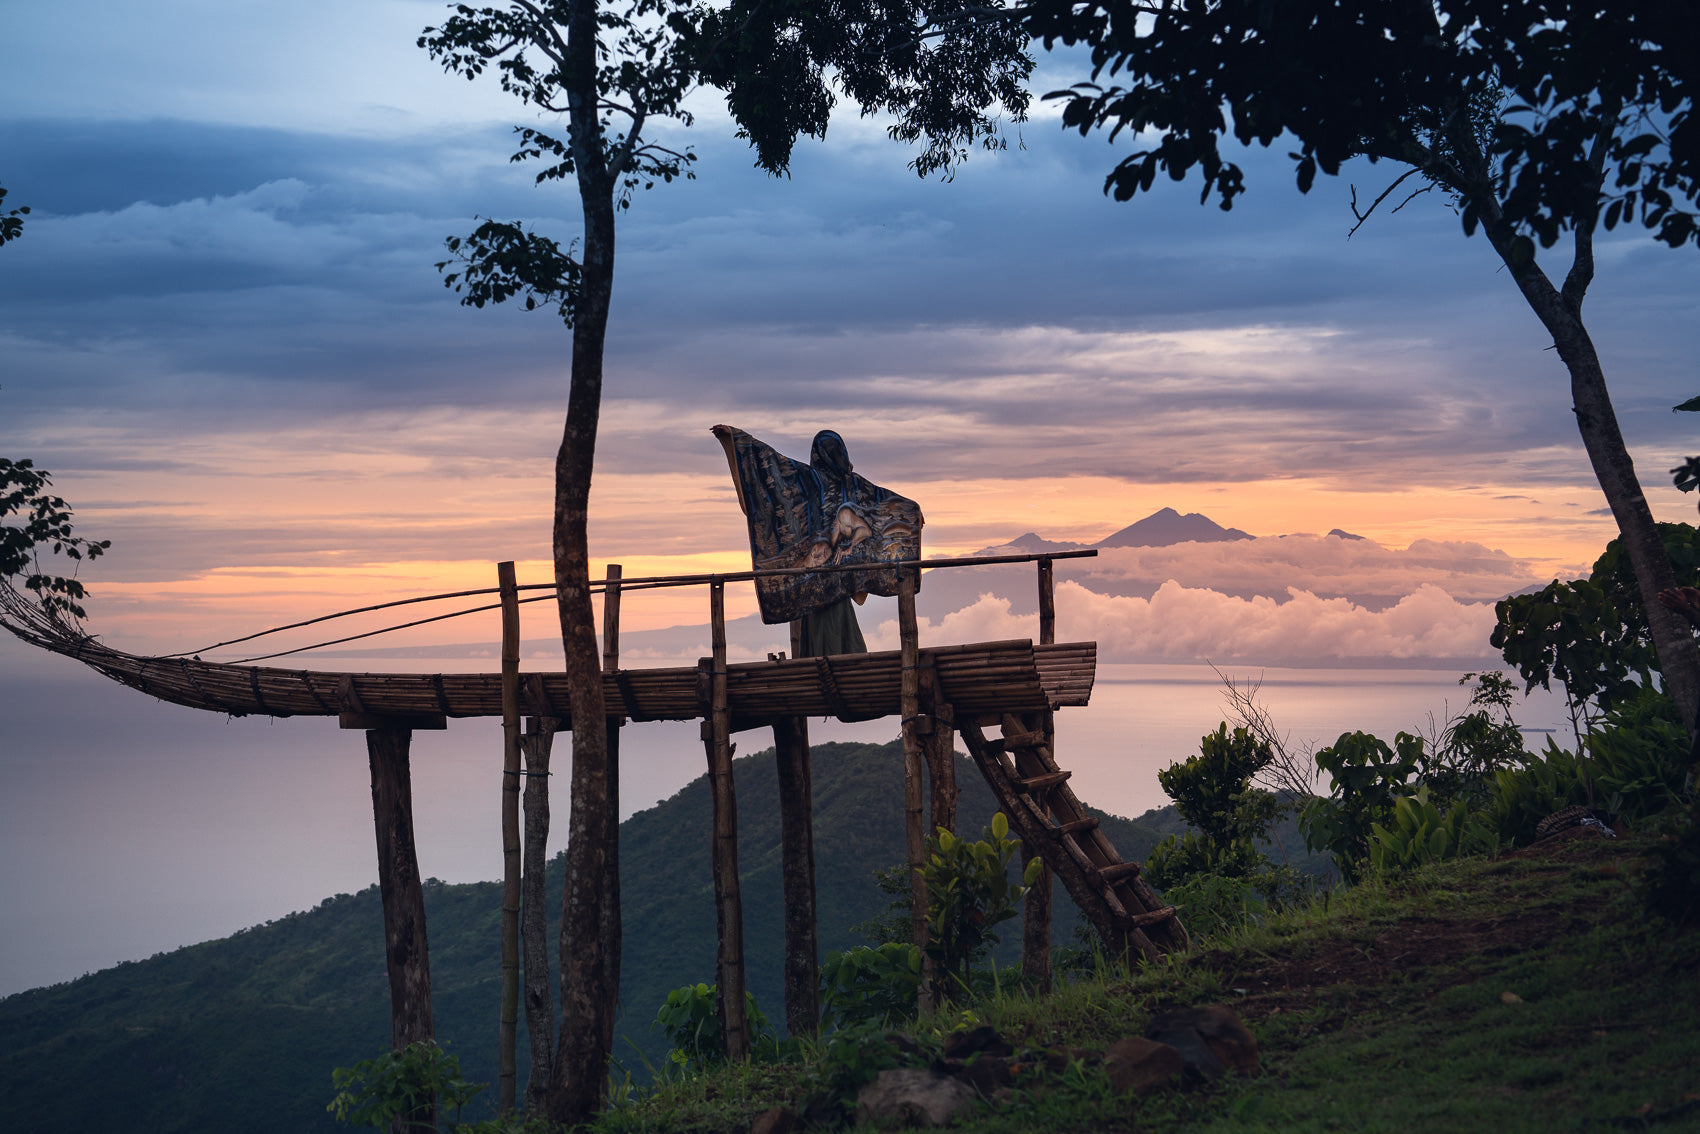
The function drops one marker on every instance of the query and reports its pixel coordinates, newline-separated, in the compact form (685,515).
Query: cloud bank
(1196,624)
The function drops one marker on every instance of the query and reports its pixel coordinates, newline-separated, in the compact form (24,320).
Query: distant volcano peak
(1160,529)
(1167,526)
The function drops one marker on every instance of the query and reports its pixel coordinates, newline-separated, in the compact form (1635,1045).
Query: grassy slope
(242,1033)
(1384,1010)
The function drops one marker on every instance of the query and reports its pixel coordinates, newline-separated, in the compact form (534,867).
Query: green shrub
(875,985)
(1420,833)
(1368,777)
(1638,756)
(690,1019)
(969,894)
(397,1084)
(1211,905)
(1178,858)
(1520,798)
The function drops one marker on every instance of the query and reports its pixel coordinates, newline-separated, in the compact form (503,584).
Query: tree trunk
(797,867)
(1561,315)
(581,1054)
(537,745)
(406,955)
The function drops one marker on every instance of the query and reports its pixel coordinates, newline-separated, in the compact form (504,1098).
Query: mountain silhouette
(1160,529)
(1167,526)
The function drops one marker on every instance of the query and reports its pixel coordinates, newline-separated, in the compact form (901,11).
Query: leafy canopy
(946,71)
(538,51)
(1544,115)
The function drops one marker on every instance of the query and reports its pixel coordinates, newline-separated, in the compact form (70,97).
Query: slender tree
(1539,120)
(608,71)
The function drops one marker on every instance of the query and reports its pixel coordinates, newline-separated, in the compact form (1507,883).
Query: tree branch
(1581,272)
(547,28)
(1385,193)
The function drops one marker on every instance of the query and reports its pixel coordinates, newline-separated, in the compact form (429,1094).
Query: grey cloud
(250,271)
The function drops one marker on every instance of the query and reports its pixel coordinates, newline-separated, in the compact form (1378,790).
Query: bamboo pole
(1047,604)
(507,1073)
(537,744)
(797,866)
(1036,910)
(406,953)
(611,927)
(728,903)
(909,702)
(940,747)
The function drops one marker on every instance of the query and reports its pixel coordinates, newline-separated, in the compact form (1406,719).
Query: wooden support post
(1036,911)
(509,1027)
(1047,604)
(797,866)
(728,903)
(611,928)
(940,746)
(909,703)
(1036,907)
(406,953)
(537,744)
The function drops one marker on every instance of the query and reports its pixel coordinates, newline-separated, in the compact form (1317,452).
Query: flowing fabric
(816,515)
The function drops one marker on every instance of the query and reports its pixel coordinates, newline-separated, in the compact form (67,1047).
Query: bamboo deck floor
(979,678)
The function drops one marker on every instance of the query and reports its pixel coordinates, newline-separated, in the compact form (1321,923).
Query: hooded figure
(816,515)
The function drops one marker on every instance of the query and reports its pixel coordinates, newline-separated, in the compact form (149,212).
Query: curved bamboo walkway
(982,677)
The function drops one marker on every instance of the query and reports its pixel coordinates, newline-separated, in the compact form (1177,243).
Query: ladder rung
(1116,871)
(1076,825)
(1040,783)
(1140,921)
(1024,740)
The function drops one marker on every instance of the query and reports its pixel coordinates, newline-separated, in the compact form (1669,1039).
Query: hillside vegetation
(242,1033)
(1528,992)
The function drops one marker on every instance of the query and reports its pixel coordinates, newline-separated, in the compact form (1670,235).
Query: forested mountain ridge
(243,1032)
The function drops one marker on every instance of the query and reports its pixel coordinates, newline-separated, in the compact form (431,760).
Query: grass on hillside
(1524,993)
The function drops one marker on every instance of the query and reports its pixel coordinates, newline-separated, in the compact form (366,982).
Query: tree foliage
(641,76)
(1521,103)
(11,222)
(1591,635)
(947,72)
(33,522)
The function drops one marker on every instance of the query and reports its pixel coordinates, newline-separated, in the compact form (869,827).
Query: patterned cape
(813,515)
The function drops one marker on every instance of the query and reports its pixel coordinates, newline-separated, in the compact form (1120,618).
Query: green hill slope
(242,1033)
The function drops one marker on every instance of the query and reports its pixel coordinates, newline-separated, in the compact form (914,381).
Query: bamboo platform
(979,678)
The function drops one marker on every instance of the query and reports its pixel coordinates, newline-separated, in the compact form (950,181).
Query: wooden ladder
(1036,798)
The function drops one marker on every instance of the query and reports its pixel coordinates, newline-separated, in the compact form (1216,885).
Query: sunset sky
(223,333)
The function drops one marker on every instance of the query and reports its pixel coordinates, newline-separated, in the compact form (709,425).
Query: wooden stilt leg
(611,927)
(508,1031)
(405,951)
(728,902)
(537,744)
(797,867)
(909,701)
